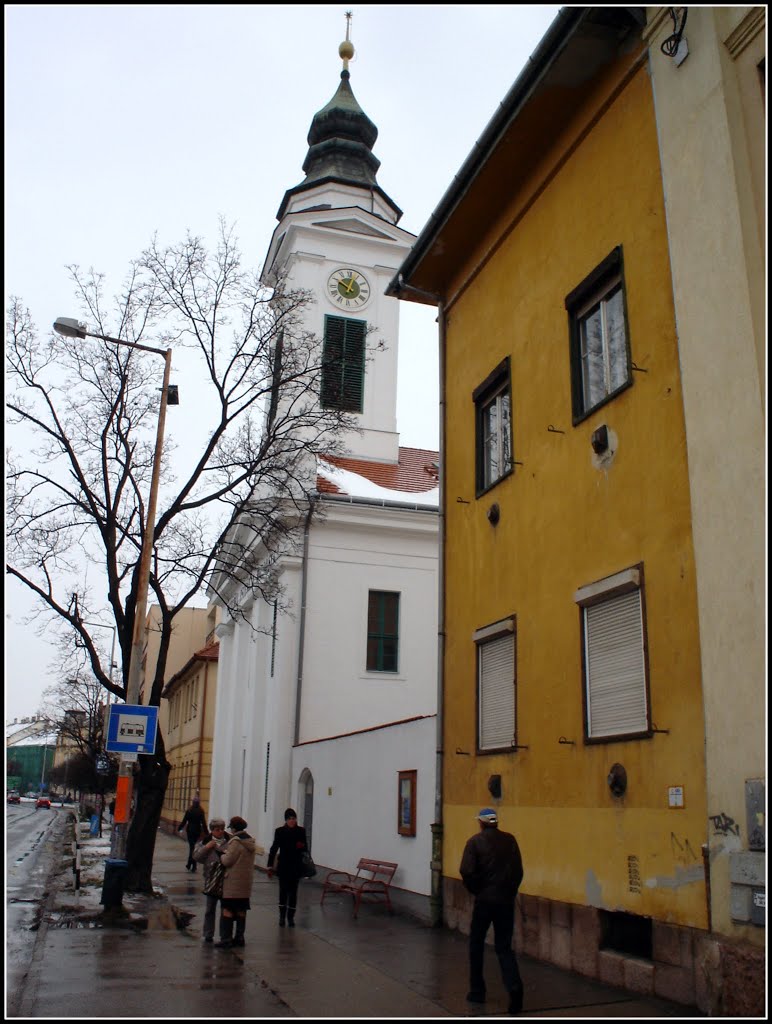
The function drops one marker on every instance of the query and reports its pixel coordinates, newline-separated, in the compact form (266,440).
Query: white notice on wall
(675,796)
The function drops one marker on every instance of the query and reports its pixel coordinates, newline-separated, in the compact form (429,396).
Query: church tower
(338,237)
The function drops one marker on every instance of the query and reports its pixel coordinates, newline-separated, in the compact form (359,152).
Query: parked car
(13,797)
(43,801)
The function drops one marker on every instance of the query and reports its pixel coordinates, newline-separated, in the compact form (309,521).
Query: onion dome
(340,144)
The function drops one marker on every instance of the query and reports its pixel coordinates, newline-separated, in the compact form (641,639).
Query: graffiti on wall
(723,825)
(682,850)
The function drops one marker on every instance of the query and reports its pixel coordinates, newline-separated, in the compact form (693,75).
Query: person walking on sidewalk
(193,824)
(206,852)
(492,870)
(238,859)
(290,843)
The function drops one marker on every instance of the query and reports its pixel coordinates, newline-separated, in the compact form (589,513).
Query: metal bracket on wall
(655,729)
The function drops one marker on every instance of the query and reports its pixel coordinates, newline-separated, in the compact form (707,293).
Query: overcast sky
(127,120)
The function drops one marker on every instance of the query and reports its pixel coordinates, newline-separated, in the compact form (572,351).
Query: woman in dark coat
(290,843)
(194,825)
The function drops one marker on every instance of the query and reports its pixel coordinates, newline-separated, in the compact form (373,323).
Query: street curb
(29,982)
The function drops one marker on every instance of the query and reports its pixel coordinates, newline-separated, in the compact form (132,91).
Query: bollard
(112,887)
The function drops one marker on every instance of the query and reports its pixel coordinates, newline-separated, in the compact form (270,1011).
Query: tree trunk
(150,787)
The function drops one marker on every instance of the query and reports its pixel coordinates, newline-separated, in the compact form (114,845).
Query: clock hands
(348,287)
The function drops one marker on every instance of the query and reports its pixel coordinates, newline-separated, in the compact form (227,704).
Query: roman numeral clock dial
(348,289)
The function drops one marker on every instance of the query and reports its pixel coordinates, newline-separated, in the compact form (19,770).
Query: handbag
(213,884)
(308,868)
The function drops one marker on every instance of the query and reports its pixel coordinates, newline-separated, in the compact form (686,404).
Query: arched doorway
(306,801)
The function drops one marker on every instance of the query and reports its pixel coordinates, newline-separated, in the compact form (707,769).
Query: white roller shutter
(497,692)
(616,670)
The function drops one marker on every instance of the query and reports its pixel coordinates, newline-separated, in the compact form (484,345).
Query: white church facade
(327,701)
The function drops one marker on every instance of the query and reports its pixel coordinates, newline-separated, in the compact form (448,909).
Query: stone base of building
(687,965)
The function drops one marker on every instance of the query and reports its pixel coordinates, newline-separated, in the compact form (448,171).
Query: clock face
(348,289)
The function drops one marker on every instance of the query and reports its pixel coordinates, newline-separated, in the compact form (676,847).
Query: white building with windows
(327,701)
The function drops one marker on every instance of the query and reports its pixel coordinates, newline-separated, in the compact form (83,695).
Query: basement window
(626,933)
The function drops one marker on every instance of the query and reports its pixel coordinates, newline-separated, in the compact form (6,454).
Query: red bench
(370,884)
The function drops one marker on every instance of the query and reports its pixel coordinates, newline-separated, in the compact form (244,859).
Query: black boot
(282,915)
(241,924)
(291,917)
(226,933)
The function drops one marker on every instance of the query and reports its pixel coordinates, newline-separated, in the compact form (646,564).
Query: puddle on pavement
(168,918)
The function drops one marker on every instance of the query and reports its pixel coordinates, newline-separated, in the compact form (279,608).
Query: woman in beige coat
(238,859)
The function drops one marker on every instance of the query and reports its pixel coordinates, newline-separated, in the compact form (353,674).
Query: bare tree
(83,417)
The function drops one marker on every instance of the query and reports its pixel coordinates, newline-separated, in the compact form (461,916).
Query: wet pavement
(329,965)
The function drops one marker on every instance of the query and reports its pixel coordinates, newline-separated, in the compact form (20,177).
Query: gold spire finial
(346,48)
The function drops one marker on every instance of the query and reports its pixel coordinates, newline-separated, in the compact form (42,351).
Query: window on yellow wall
(493,428)
(615,657)
(599,346)
(496,686)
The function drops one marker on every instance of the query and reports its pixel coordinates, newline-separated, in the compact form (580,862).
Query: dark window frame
(602,280)
(377,632)
(334,385)
(498,382)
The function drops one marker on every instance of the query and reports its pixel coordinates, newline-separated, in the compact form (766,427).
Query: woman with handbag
(207,852)
(289,842)
(238,859)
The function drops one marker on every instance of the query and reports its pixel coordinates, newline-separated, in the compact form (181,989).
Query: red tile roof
(209,653)
(415,472)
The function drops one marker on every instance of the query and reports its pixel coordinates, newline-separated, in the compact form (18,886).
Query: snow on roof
(32,727)
(38,739)
(14,727)
(412,479)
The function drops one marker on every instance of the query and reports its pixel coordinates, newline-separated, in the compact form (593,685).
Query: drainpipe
(302,630)
(437,826)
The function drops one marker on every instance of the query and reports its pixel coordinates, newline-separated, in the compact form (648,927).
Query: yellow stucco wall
(565,523)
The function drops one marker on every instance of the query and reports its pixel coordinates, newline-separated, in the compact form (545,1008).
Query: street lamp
(71,328)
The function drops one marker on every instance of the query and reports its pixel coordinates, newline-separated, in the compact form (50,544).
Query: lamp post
(71,328)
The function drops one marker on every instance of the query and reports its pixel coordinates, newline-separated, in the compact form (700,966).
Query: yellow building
(190,631)
(189,701)
(186,711)
(572,673)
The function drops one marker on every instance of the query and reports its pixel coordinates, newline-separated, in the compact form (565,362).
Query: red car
(43,801)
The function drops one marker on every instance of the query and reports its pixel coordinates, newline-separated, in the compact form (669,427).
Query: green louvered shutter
(343,363)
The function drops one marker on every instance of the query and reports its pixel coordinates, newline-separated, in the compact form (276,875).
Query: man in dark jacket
(492,870)
(193,824)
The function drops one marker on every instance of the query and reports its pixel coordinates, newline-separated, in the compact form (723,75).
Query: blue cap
(488,816)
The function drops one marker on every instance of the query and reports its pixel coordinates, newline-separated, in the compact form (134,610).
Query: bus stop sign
(131,729)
